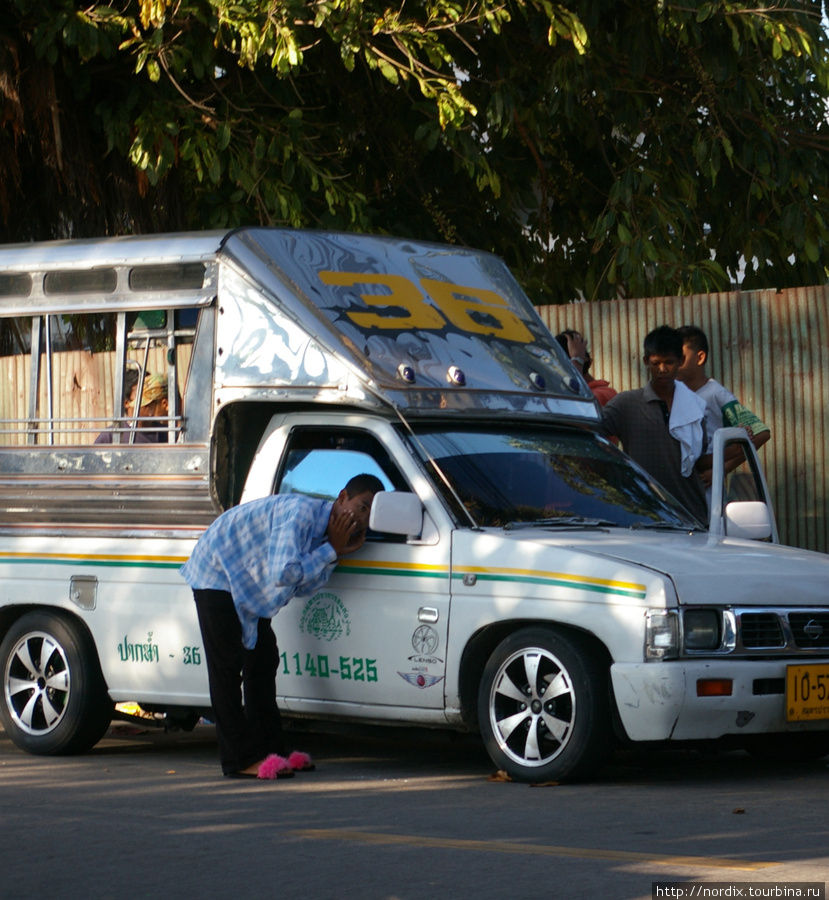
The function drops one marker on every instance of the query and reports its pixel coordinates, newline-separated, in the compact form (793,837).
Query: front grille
(810,629)
(772,632)
(761,630)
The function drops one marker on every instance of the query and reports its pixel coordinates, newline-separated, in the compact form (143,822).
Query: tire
(563,737)
(783,749)
(54,699)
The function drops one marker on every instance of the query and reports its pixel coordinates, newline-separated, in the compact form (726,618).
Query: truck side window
(15,368)
(70,379)
(76,374)
(158,352)
(57,375)
(744,483)
(319,463)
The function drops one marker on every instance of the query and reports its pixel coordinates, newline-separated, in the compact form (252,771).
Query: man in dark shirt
(660,425)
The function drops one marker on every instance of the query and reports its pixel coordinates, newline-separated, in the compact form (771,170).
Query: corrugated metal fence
(770,349)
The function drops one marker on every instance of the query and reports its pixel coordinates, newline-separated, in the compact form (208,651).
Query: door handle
(427,614)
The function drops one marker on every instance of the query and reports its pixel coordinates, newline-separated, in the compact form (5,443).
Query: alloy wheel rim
(37,683)
(532,707)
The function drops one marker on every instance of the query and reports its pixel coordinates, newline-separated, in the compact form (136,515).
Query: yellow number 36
(403,306)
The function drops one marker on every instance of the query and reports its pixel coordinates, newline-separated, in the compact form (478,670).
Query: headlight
(702,629)
(661,634)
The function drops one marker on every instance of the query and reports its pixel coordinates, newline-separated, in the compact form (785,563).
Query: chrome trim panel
(766,631)
(126,250)
(129,486)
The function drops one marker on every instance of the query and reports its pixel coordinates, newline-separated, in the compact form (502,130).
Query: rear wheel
(544,708)
(54,699)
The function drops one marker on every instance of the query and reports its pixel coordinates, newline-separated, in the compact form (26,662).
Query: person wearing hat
(146,424)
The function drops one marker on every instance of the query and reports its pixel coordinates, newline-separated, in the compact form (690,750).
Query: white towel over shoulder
(685,424)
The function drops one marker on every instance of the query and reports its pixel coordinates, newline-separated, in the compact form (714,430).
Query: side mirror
(396,512)
(748,519)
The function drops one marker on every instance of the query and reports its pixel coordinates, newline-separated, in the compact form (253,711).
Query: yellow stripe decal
(356,567)
(560,579)
(521,576)
(95,559)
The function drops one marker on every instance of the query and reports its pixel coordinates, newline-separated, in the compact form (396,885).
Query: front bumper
(658,701)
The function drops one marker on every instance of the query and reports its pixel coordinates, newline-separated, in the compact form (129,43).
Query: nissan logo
(813,629)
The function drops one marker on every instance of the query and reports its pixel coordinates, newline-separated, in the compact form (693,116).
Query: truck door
(740,500)
(376,633)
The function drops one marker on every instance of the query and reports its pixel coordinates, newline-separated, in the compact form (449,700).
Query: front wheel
(54,698)
(544,707)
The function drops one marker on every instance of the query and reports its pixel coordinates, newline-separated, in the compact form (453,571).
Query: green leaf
(223,133)
(811,249)
(214,169)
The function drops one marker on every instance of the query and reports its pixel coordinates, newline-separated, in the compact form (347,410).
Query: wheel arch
(481,645)
(57,702)
(11,614)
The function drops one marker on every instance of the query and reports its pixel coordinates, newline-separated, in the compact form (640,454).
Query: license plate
(807,693)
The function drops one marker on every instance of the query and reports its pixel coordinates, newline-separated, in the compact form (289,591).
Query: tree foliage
(603,147)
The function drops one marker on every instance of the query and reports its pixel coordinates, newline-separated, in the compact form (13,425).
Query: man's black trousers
(248,730)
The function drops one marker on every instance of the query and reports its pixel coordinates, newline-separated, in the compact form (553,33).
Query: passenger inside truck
(147,420)
(68,377)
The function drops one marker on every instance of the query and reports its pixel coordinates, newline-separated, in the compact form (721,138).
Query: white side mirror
(396,512)
(748,519)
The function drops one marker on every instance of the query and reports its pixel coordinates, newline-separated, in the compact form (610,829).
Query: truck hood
(706,569)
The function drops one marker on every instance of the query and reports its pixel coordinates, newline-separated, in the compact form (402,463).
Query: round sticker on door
(326,617)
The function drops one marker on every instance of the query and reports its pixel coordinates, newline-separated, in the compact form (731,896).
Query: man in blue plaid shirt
(248,564)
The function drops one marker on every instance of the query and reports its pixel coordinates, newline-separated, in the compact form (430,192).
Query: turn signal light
(714,687)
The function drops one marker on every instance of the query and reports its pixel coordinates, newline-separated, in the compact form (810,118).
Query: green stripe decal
(381,570)
(396,570)
(577,583)
(91,561)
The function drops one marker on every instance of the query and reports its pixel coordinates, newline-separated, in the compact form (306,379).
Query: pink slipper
(275,766)
(300,762)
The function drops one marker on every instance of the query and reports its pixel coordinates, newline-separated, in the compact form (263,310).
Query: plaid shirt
(264,553)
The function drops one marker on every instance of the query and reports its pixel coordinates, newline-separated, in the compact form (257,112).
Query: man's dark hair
(694,337)
(360,484)
(663,341)
(130,380)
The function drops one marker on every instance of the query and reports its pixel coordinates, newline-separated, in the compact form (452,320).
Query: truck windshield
(547,477)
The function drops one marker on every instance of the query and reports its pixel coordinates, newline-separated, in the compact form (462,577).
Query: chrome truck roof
(425,328)
(430,327)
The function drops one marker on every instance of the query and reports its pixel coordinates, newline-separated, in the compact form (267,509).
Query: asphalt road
(399,816)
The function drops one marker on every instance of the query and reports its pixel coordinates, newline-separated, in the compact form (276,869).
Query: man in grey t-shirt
(660,425)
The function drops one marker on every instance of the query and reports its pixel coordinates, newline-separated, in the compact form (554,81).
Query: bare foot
(252,769)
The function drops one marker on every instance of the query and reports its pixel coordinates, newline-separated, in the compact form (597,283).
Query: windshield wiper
(561,522)
(664,526)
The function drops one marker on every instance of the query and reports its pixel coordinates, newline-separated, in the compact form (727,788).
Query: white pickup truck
(522,578)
